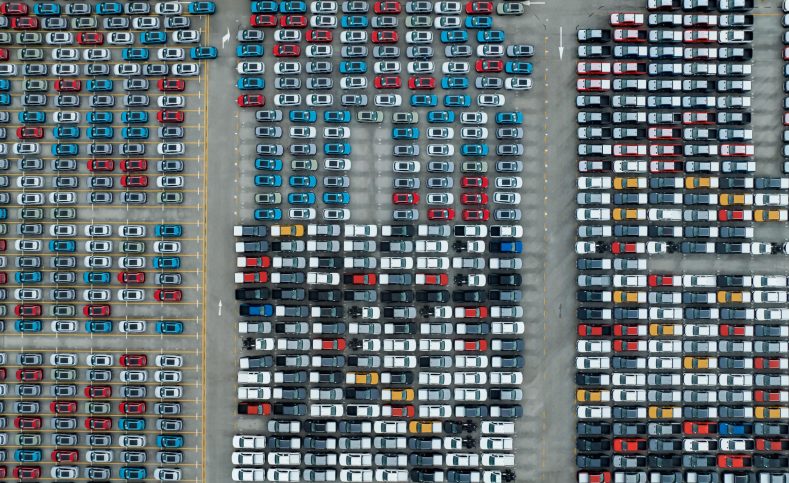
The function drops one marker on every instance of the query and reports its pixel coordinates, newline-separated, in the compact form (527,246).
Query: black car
(433,296)
(469,296)
(505,279)
(252,293)
(401,296)
(324,295)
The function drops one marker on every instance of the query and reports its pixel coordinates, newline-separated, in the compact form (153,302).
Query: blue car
(266,164)
(27,277)
(96,277)
(509,118)
(135,53)
(169,327)
(200,53)
(66,132)
(153,37)
(454,36)
(405,133)
(32,117)
(202,8)
(46,9)
(62,245)
(109,8)
(131,424)
(166,262)
(490,37)
(353,67)
(133,473)
(735,429)
(272,180)
(170,441)
(479,22)
(513,67)
(302,181)
(454,83)
(457,101)
(99,326)
(441,116)
(27,325)
(251,83)
(27,455)
(337,116)
(99,85)
(5,85)
(132,117)
(337,149)
(292,6)
(5,99)
(168,231)
(474,149)
(3,213)
(268,214)
(135,133)
(264,7)
(336,198)
(301,198)
(100,132)
(65,150)
(354,22)
(424,100)
(249,50)
(303,116)
(99,117)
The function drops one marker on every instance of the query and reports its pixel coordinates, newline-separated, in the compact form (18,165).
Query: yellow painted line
(204,295)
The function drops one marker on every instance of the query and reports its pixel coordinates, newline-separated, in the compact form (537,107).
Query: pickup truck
(256,362)
(254,327)
(287,230)
(258,231)
(252,247)
(506,246)
(250,277)
(245,262)
(256,310)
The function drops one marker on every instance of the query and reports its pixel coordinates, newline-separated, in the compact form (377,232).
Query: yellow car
(665,412)
(630,183)
(290,230)
(769,215)
(588,395)
(725,297)
(728,199)
(424,427)
(665,329)
(397,394)
(361,378)
(622,297)
(699,362)
(693,182)
(763,412)
(629,214)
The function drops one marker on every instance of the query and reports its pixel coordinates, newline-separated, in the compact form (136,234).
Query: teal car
(5,99)
(337,116)
(27,325)
(66,132)
(474,150)
(166,262)
(32,117)
(153,37)
(169,441)
(249,50)
(301,198)
(100,132)
(268,164)
(509,118)
(336,198)
(441,116)
(135,133)
(457,101)
(513,67)
(27,455)
(109,8)
(62,246)
(131,424)
(99,117)
(135,53)
(65,150)
(292,6)
(337,149)
(99,85)
(96,277)
(490,37)
(271,180)
(133,473)
(405,133)
(479,22)
(353,67)
(168,231)
(46,9)
(454,83)
(251,83)
(454,36)
(98,326)
(264,214)
(27,277)
(5,85)
(302,181)
(133,117)
(200,53)
(202,8)
(424,100)
(169,327)
(302,116)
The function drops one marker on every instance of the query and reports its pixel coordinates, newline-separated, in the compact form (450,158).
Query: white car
(249,474)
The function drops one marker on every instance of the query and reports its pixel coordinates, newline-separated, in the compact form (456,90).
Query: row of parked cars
(49,385)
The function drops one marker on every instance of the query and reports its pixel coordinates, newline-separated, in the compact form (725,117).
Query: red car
(588,330)
(663,281)
(134,181)
(441,214)
(319,36)
(171,85)
(472,345)
(27,422)
(3,472)
(98,391)
(734,215)
(13,8)
(293,21)
(761,395)
(385,37)
(65,455)
(734,461)
(3,373)
(699,427)
(387,8)
(627,345)
(130,165)
(405,198)
(101,165)
(474,182)
(170,116)
(131,277)
(387,82)
(3,54)
(256,262)
(476,215)
(489,65)
(475,312)
(29,375)
(251,100)
(132,407)
(601,477)
(96,310)
(29,132)
(3,275)
(98,423)
(332,344)
(629,445)
(134,360)
(263,20)
(63,407)
(27,310)
(421,83)
(436,279)
(769,363)
(763,444)
(90,38)
(402,411)
(254,408)
(27,473)
(68,85)
(168,295)
(624,247)
(361,279)
(3,247)
(479,8)
(728,330)
(24,23)
(630,329)
(474,199)
(287,50)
